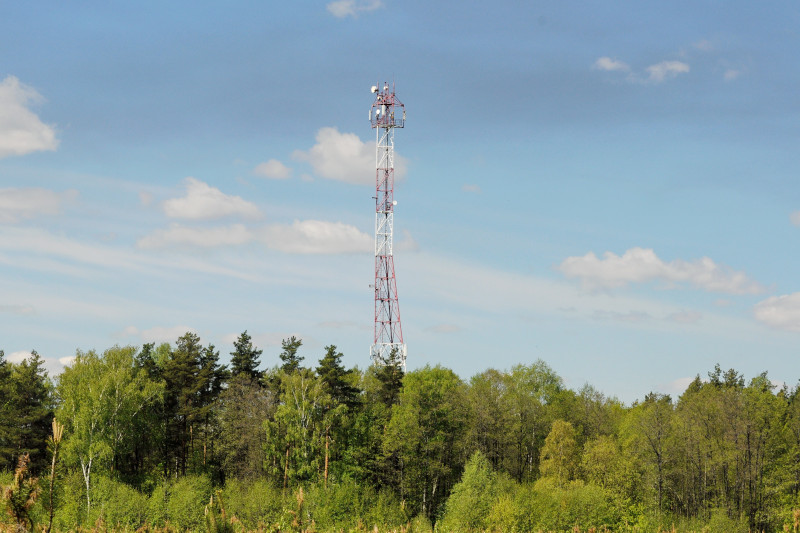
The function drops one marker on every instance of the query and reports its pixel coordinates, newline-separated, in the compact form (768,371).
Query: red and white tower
(387,113)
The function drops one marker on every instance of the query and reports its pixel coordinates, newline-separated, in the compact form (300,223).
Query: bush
(180,503)
(253,503)
(549,506)
(118,504)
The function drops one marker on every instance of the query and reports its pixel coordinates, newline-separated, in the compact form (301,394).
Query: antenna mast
(386,114)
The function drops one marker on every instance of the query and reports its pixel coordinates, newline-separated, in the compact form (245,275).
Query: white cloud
(300,237)
(18,357)
(676,387)
(345,157)
(608,64)
(19,204)
(203,202)
(640,265)
(351,8)
(795,218)
(471,188)
(21,131)
(780,312)
(273,169)
(177,235)
(40,250)
(66,361)
(657,73)
(316,237)
(665,70)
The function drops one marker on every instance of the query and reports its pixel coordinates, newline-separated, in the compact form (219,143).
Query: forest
(168,438)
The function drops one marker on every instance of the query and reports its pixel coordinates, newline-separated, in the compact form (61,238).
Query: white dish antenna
(374,88)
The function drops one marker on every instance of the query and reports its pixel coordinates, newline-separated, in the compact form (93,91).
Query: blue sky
(607,186)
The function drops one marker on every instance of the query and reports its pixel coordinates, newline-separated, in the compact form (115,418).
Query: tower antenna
(386,114)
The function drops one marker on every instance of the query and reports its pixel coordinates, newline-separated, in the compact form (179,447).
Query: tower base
(381,353)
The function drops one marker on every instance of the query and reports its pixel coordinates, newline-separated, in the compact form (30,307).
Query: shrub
(253,502)
(118,504)
(180,503)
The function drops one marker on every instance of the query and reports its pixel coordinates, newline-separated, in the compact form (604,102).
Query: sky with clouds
(610,187)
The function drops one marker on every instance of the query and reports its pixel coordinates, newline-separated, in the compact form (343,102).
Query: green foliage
(335,378)
(245,357)
(291,361)
(427,433)
(472,498)
(26,411)
(242,410)
(336,449)
(101,399)
(256,503)
(118,504)
(180,503)
(549,506)
(560,454)
(21,494)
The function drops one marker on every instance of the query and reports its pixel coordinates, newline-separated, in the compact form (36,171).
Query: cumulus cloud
(316,237)
(273,169)
(19,204)
(608,64)
(665,70)
(21,131)
(351,8)
(180,236)
(345,157)
(795,218)
(780,312)
(203,202)
(66,361)
(640,265)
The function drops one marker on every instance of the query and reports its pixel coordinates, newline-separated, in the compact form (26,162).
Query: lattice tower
(386,114)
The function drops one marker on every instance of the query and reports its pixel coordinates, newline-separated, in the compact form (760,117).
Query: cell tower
(386,114)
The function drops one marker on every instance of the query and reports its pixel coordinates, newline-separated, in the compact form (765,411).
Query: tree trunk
(286,469)
(327,442)
(87,472)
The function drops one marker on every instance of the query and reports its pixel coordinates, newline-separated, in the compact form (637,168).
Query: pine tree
(390,375)
(184,381)
(335,378)
(7,414)
(291,361)
(32,411)
(245,358)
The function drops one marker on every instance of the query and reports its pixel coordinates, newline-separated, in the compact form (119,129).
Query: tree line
(508,450)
